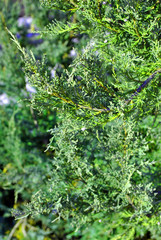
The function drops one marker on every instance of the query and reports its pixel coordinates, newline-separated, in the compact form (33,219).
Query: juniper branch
(143,85)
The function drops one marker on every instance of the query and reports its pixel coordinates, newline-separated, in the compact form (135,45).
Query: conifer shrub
(24,166)
(105,176)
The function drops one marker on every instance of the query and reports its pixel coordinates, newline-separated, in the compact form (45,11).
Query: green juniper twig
(143,85)
(138,90)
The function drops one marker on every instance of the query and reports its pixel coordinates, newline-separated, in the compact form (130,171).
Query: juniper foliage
(104,161)
(23,134)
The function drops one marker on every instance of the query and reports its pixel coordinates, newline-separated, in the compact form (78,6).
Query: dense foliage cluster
(24,166)
(102,164)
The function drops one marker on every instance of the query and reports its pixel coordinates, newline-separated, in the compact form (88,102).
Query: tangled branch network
(140,88)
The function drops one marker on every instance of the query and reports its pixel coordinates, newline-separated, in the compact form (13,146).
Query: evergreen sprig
(101,155)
